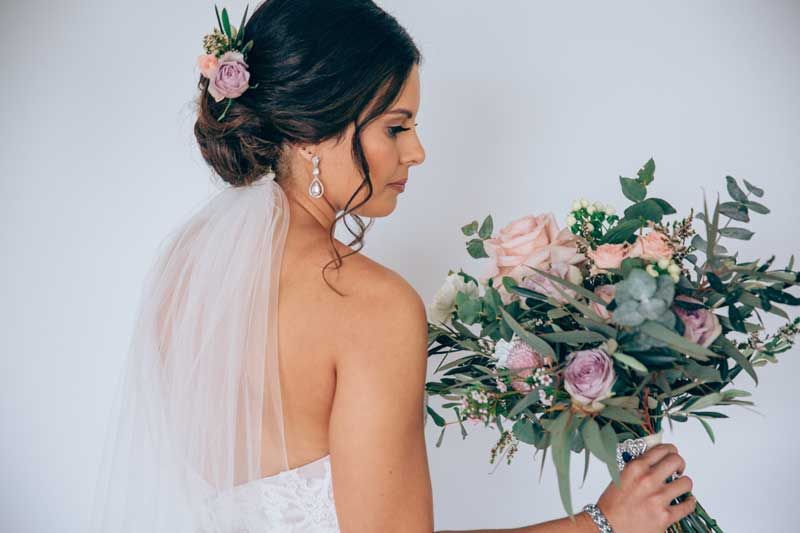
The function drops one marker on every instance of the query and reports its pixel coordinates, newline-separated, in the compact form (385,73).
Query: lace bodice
(295,500)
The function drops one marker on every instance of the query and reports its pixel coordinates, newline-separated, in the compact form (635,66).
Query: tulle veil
(198,409)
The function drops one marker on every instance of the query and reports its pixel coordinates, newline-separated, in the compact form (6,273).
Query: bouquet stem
(697,522)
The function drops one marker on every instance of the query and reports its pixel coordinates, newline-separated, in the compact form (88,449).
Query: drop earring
(316,189)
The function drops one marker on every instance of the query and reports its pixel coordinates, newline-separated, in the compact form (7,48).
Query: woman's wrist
(598,518)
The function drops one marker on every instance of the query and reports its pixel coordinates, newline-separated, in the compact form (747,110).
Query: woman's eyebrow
(401,111)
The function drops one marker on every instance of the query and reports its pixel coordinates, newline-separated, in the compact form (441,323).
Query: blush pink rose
(208,65)
(701,325)
(588,378)
(231,77)
(606,293)
(529,242)
(607,256)
(652,247)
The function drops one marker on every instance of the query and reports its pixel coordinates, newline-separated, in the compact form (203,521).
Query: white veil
(199,409)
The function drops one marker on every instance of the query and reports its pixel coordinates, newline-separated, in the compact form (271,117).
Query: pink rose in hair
(588,378)
(208,65)
(652,247)
(701,325)
(231,77)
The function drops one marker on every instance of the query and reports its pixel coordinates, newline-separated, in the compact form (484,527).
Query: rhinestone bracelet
(598,517)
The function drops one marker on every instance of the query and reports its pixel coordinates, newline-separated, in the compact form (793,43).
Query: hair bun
(233,148)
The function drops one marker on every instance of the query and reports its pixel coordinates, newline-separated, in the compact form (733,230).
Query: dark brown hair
(317,65)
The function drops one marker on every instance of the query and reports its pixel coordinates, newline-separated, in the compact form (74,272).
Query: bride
(275,380)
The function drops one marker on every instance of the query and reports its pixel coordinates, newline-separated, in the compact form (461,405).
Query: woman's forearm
(582,524)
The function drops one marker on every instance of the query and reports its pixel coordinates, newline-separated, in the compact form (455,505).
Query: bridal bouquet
(588,338)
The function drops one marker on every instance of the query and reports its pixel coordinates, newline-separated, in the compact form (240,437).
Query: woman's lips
(399,185)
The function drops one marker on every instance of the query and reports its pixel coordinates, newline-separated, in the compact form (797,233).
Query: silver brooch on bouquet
(631,449)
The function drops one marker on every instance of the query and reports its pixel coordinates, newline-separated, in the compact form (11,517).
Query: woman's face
(391,146)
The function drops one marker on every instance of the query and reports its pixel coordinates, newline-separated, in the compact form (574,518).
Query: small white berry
(650,269)
(576,205)
(663,263)
(590,209)
(610,210)
(673,268)
(571,220)
(584,202)
(590,227)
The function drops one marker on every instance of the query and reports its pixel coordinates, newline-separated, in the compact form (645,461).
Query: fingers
(669,464)
(680,486)
(682,510)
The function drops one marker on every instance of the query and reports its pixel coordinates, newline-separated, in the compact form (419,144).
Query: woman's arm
(582,524)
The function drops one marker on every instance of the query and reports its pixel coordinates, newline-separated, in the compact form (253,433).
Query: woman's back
(352,377)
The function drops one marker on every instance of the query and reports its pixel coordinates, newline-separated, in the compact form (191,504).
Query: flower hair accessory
(224,61)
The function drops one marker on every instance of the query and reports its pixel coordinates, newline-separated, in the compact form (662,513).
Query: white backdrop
(525,106)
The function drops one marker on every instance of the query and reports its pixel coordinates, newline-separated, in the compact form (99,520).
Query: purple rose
(588,378)
(701,325)
(231,77)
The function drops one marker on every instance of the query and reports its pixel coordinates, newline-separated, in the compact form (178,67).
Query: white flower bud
(663,263)
(571,221)
(673,268)
(610,210)
(650,269)
(590,209)
(676,276)
(590,227)
(576,205)
(584,202)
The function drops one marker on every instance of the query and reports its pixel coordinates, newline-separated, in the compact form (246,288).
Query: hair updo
(317,65)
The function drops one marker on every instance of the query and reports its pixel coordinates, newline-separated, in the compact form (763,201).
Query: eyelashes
(394,130)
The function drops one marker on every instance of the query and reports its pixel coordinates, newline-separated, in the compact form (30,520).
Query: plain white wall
(525,106)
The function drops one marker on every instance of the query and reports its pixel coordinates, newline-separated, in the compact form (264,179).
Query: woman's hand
(641,504)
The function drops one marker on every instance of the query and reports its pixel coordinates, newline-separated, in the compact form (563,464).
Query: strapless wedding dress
(292,501)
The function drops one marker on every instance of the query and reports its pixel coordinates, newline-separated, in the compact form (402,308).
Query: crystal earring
(316,189)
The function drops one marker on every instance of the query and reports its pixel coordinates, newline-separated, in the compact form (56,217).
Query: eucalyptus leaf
(734,210)
(761,209)
(736,233)
(734,190)
(753,189)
